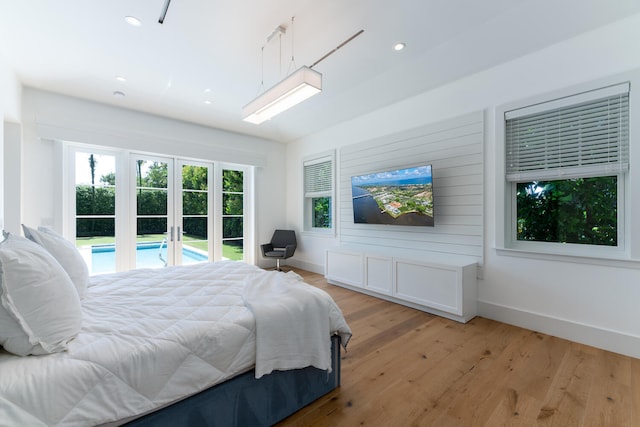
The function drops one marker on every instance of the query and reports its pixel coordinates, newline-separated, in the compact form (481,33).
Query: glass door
(95,209)
(154,223)
(193,213)
(173,212)
(233,214)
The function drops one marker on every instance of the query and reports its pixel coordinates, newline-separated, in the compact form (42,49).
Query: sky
(395,175)
(104,165)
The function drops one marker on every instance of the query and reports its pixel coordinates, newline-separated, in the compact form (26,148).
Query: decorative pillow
(40,309)
(64,252)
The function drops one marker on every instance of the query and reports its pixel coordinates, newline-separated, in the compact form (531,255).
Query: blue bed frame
(245,401)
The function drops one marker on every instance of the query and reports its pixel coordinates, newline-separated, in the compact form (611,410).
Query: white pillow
(64,252)
(40,309)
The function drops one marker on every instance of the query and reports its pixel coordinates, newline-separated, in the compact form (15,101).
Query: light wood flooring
(404,367)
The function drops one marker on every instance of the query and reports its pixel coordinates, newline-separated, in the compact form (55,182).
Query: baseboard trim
(304,265)
(617,342)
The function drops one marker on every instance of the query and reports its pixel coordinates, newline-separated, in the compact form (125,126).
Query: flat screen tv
(399,197)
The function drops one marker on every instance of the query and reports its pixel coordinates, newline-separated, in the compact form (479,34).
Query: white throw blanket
(294,323)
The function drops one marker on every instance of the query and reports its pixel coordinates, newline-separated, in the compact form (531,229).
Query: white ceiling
(211,50)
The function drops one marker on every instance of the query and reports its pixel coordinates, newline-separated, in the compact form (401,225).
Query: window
(318,194)
(566,162)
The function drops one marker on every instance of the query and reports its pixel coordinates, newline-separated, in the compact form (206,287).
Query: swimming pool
(103,257)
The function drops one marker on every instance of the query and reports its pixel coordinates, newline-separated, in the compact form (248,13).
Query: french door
(172,209)
(129,210)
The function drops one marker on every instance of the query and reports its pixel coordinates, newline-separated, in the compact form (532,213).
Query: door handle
(171,234)
(179,235)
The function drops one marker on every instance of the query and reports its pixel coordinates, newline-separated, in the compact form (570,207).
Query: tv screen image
(399,197)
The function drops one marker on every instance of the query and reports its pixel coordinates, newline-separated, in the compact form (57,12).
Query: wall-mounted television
(399,197)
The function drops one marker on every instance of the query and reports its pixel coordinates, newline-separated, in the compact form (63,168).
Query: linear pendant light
(293,89)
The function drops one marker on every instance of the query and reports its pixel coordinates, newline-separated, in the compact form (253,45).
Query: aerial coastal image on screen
(396,197)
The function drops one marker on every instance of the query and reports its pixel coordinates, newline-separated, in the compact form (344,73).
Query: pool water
(103,258)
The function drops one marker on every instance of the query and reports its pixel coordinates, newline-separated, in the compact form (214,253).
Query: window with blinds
(318,193)
(318,177)
(565,164)
(585,135)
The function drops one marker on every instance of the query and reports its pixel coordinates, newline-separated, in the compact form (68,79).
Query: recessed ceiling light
(121,79)
(206,101)
(132,20)
(399,46)
(118,94)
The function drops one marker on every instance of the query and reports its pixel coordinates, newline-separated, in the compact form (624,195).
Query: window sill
(613,259)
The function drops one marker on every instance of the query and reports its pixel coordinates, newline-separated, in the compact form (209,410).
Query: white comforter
(149,337)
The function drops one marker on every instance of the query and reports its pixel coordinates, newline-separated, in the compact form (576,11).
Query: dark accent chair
(282,246)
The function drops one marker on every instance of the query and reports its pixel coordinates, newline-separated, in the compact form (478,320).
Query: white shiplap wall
(454,149)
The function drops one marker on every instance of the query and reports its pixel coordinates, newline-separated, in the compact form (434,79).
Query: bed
(219,343)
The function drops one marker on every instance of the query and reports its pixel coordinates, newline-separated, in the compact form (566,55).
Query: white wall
(10,92)
(590,303)
(48,116)
(454,149)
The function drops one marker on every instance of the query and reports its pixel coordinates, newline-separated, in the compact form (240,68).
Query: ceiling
(211,50)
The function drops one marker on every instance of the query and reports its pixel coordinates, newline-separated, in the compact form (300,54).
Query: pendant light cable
(292,64)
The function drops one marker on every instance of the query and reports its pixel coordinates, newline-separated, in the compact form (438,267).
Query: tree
(152,197)
(156,176)
(95,201)
(108,179)
(92,167)
(195,199)
(581,210)
(232,189)
(321,212)
(139,173)
(152,201)
(194,177)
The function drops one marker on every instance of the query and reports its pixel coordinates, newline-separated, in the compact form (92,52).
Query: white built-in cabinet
(446,288)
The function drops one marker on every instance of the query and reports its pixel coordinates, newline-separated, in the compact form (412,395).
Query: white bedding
(279,302)
(148,338)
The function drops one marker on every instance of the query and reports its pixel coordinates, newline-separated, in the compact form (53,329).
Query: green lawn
(93,241)
(231,252)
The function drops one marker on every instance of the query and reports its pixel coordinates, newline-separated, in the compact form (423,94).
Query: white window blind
(318,177)
(585,135)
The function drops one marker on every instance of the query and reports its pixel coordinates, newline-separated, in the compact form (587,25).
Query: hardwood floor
(404,367)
